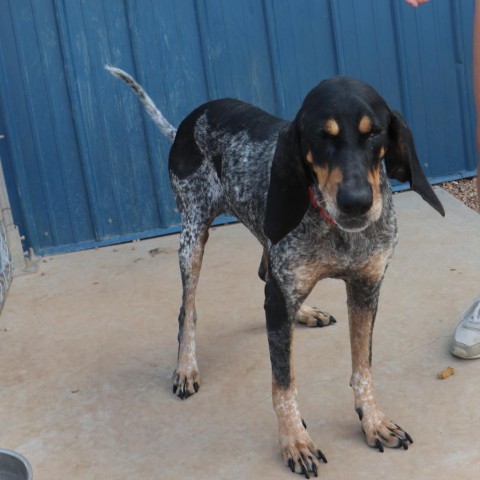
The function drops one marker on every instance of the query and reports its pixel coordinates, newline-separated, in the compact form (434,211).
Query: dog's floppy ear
(287,197)
(402,162)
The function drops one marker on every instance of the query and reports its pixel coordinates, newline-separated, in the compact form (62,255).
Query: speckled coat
(316,195)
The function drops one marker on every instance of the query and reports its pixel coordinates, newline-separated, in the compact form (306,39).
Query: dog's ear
(402,163)
(287,197)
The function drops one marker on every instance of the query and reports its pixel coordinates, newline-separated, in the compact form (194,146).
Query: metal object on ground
(14,466)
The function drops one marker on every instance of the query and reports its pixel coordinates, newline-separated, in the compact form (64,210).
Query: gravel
(464,190)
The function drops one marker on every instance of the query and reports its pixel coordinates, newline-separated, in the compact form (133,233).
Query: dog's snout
(354,201)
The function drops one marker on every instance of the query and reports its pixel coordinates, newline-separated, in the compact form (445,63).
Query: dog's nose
(354,201)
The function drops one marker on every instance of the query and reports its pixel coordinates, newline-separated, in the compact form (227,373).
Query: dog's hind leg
(263,267)
(313,317)
(309,316)
(193,238)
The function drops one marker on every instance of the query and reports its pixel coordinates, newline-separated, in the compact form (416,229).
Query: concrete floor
(88,348)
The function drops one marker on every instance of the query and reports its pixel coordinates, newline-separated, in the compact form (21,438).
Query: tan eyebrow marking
(365,125)
(331,127)
(309,157)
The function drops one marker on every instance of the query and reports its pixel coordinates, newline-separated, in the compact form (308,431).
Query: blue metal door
(85,166)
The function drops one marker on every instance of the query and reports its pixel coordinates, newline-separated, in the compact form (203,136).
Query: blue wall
(84,164)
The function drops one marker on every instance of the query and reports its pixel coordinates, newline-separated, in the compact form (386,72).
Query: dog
(315,192)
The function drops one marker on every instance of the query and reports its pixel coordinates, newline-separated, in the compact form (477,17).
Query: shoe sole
(461,353)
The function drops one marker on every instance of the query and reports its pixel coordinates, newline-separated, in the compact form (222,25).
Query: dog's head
(338,140)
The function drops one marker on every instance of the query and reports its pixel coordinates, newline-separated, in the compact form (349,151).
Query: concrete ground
(88,348)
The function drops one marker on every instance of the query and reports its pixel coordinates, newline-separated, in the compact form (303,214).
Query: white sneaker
(466,339)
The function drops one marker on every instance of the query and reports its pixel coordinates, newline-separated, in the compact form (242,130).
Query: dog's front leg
(362,307)
(298,450)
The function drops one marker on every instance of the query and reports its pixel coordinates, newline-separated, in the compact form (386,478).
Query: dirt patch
(464,190)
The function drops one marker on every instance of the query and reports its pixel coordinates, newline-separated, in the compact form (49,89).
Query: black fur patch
(185,156)
(279,330)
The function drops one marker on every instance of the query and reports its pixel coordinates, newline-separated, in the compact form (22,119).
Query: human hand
(416,3)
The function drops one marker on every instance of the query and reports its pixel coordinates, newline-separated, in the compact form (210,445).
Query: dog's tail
(160,121)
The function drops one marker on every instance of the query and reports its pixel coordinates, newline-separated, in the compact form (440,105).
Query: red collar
(314,203)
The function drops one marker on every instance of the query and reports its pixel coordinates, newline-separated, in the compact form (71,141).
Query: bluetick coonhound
(316,195)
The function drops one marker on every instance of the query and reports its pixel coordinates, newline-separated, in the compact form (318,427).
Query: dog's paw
(186,383)
(380,431)
(313,317)
(300,454)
